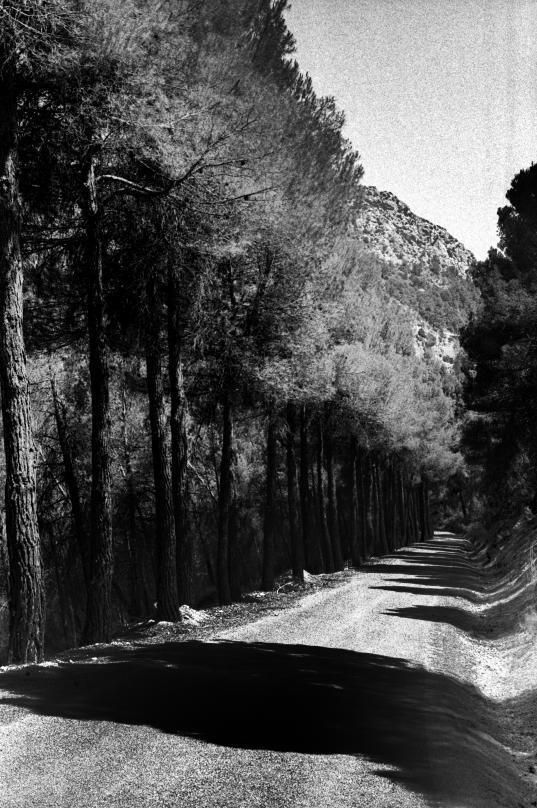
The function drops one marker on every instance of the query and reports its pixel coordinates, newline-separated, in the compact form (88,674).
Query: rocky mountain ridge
(420,264)
(389,227)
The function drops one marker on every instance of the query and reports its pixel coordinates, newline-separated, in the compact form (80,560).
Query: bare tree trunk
(79,521)
(178,420)
(235,581)
(343,522)
(408,514)
(333,522)
(420,513)
(355,527)
(416,497)
(379,506)
(27,591)
(225,495)
(167,598)
(270,506)
(297,539)
(427,495)
(402,502)
(391,497)
(4,588)
(99,609)
(413,522)
(140,601)
(321,500)
(363,515)
(314,563)
(369,505)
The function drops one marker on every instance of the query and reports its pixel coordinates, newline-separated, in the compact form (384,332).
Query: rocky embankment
(504,635)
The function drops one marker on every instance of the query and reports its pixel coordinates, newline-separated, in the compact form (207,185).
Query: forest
(202,385)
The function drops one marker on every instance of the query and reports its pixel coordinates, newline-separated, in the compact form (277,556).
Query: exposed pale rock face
(387,227)
(440,346)
(423,267)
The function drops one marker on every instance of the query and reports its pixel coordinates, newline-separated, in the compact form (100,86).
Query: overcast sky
(440,98)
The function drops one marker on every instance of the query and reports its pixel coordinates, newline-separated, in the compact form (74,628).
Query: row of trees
(500,435)
(217,392)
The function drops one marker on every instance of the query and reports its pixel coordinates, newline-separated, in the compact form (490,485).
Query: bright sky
(440,98)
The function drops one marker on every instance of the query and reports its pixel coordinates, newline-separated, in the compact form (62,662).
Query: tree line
(214,391)
(499,435)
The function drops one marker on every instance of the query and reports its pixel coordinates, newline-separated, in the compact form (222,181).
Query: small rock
(192,616)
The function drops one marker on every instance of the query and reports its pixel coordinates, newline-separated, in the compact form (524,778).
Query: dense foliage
(500,435)
(443,306)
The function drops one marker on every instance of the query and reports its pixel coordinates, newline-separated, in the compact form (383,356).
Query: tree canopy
(500,435)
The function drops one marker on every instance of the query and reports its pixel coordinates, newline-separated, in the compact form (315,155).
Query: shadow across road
(435,567)
(430,730)
(447,569)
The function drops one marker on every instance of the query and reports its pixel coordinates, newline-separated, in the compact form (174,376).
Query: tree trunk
(369,505)
(379,505)
(417,514)
(297,539)
(77,511)
(270,506)
(321,501)
(372,510)
(403,518)
(27,591)
(333,522)
(343,522)
(235,581)
(4,588)
(167,598)
(412,514)
(427,495)
(314,562)
(363,523)
(178,421)
(140,602)
(99,609)
(392,505)
(385,495)
(420,512)
(225,500)
(353,505)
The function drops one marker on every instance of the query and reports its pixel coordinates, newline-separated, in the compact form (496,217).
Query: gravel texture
(369,691)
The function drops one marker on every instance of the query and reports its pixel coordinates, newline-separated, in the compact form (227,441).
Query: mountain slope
(417,262)
(395,233)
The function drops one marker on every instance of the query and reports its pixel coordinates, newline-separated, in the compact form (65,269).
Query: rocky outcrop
(433,344)
(420,265)
(388,227)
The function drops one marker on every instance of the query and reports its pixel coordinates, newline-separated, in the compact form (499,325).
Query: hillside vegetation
(501,369)
(420,263)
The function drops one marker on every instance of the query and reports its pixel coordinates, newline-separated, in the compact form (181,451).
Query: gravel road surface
(345,699)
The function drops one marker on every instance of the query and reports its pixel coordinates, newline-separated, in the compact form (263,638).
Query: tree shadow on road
(434,567)
(428,728)
(496,621)
(504,596)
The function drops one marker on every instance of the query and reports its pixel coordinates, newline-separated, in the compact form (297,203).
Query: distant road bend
(343,700)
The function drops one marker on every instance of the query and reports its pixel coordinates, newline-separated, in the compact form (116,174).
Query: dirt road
(362,695)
